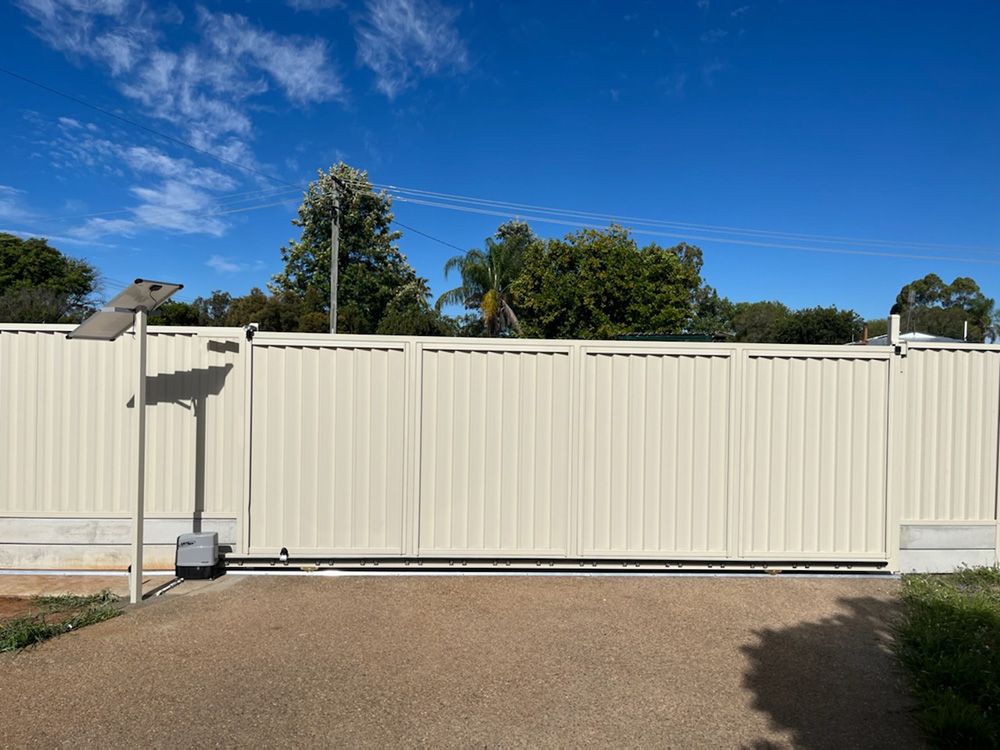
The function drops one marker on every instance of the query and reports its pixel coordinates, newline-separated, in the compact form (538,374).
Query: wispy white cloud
(402,41)
(113,31)
(12,206)
(710,69)
(223,264)
(174,194)
(205,87)
(714,35)
(179,207)
(300,66)
(101,227)
(171,205)
(154,161)
(737,12)
(54,237)
(675,83)
(702,4)
(314,6)
(228,264)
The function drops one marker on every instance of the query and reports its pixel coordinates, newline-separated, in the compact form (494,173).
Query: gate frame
(738,355)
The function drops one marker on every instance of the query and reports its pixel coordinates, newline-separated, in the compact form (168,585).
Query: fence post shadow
(190,389)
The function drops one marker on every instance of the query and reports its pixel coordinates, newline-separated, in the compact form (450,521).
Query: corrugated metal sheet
(194,426)
(495,452)
(655,435)
(67,424)
(949,432)
(329,445)
(814,456)
(368,446)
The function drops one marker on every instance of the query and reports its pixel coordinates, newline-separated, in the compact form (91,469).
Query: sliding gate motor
(198,555)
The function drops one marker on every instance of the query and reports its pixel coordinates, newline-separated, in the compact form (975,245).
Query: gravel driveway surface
(474,661)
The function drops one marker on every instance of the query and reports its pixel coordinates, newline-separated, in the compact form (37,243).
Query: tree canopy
(598,284)
(38,284)
(931,306)
(589,284)
(773,322)
(759,321)
(713,314)
(488,275)
(410,313)
(820,325)
(372,270)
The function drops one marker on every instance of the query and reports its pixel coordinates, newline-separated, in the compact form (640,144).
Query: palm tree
(487,276)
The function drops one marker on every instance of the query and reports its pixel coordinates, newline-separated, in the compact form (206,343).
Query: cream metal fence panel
(381,446)
(328,445)
(194,424)
(814,455)
(495,451)
(67,422)
(949,433)
(655,453)
(65,429)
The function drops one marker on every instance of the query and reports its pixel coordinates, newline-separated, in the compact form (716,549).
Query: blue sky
(861,121)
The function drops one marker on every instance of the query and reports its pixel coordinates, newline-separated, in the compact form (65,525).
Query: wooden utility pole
(334,256)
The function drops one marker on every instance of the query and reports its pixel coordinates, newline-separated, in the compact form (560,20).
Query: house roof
(913,336)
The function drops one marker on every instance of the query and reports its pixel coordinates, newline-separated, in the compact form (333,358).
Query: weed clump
(57,615)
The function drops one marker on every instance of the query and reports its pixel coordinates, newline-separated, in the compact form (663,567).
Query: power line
(429,236)
(686,236)
(152,131)
(223,200)
(717,229)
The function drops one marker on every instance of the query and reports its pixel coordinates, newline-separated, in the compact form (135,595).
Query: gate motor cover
(198,555)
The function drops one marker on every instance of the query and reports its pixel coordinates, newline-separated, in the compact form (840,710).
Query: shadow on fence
(190,389)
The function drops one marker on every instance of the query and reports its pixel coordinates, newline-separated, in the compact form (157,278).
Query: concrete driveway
(463,661)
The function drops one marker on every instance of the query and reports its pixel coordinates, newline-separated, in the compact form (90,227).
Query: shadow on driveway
(807,677)
(511,661)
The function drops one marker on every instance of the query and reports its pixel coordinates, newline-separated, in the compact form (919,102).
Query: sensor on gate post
(895,340)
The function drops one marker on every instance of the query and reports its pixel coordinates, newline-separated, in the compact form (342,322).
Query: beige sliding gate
(451,448)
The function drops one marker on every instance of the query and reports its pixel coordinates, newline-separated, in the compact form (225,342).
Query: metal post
(138,516)
(894,337)
(334,257)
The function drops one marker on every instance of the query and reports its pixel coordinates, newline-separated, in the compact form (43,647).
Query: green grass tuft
(22,632)
(949,642)
(69,602)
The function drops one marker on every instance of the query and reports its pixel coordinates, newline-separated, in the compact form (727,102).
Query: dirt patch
(15,606)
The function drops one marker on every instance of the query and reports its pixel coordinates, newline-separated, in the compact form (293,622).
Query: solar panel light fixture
(111,321)
(132,306)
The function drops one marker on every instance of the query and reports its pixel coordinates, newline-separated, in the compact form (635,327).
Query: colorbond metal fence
(383,448)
